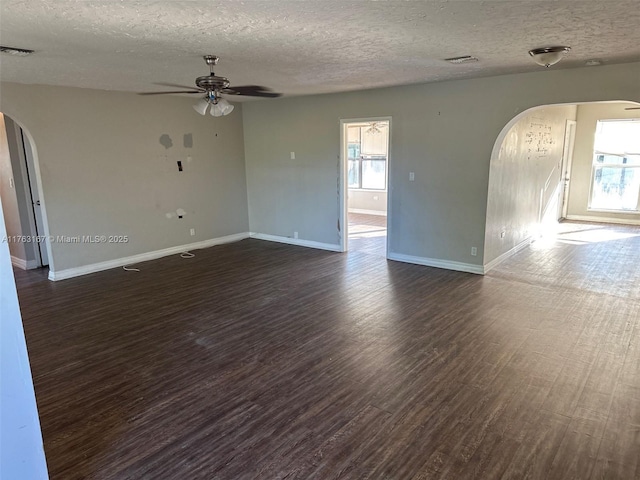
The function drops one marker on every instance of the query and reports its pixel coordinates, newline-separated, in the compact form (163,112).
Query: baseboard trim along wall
(297,241)
(435,262)
(18,262)
(588,218)
(23,264)
(368,212)
(143,257)
(498,260)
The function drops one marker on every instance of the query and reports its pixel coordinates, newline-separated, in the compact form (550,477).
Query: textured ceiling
(303,47)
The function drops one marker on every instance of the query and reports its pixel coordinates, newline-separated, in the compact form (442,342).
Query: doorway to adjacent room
(365,195)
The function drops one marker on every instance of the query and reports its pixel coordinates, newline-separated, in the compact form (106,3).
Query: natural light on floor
(579,234)
(360,231)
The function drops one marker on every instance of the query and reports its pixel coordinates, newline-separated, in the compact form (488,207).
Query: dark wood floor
(268,361)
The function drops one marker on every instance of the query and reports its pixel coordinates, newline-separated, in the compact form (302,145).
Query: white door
(565,172)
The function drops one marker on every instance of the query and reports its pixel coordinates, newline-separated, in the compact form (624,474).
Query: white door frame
(565,172)
(36,212)
(34,170)
(343,187)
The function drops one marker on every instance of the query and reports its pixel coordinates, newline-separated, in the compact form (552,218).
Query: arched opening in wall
(22,200)
(552,165)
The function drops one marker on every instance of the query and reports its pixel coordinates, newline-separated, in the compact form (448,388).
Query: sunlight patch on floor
(578,234)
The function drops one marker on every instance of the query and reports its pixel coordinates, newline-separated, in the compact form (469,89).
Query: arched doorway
(24,209)
(532,180)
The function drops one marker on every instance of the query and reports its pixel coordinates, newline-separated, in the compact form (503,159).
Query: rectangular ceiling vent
(463,59)
(19,52)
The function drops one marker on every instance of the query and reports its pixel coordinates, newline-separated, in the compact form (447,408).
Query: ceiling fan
(632,108)
(213,87)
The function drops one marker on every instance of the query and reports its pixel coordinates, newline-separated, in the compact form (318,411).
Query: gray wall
(444,132)
(524,178)
(104,170)
(580,186)
(8,194)
(21,451)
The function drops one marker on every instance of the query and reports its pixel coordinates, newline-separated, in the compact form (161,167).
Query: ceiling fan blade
(632,108)
(169,93)
(251,90)
(164,84)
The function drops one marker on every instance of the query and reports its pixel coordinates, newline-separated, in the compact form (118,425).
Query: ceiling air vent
(463,59)
(19,52)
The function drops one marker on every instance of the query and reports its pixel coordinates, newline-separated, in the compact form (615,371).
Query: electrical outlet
(192,232)
(474,251)
(412,176)
(293,155)
(295,234)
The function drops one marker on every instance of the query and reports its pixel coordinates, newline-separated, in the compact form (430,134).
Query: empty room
(334,239)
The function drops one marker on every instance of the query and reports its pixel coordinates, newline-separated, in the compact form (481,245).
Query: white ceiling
(303,47)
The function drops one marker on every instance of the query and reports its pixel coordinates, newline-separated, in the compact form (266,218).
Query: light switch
(293,155)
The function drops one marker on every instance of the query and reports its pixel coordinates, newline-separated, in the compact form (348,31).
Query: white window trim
(594,166)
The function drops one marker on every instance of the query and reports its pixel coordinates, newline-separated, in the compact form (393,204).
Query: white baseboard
(18,262)
(297,241)
(368,212)
(498,260)
(143,257)
(435,262)
(24,264)
(589,218)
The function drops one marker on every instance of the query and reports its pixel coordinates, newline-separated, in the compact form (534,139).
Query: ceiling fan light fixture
(547,56)
(227,108)
(212,87)
(201,106)
(216,110)
(374,128)
(221,107)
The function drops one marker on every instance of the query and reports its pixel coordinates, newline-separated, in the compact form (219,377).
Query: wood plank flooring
(367,234)
(258,360)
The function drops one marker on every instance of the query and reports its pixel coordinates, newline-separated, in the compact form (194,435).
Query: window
(616,166)
(367,155)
